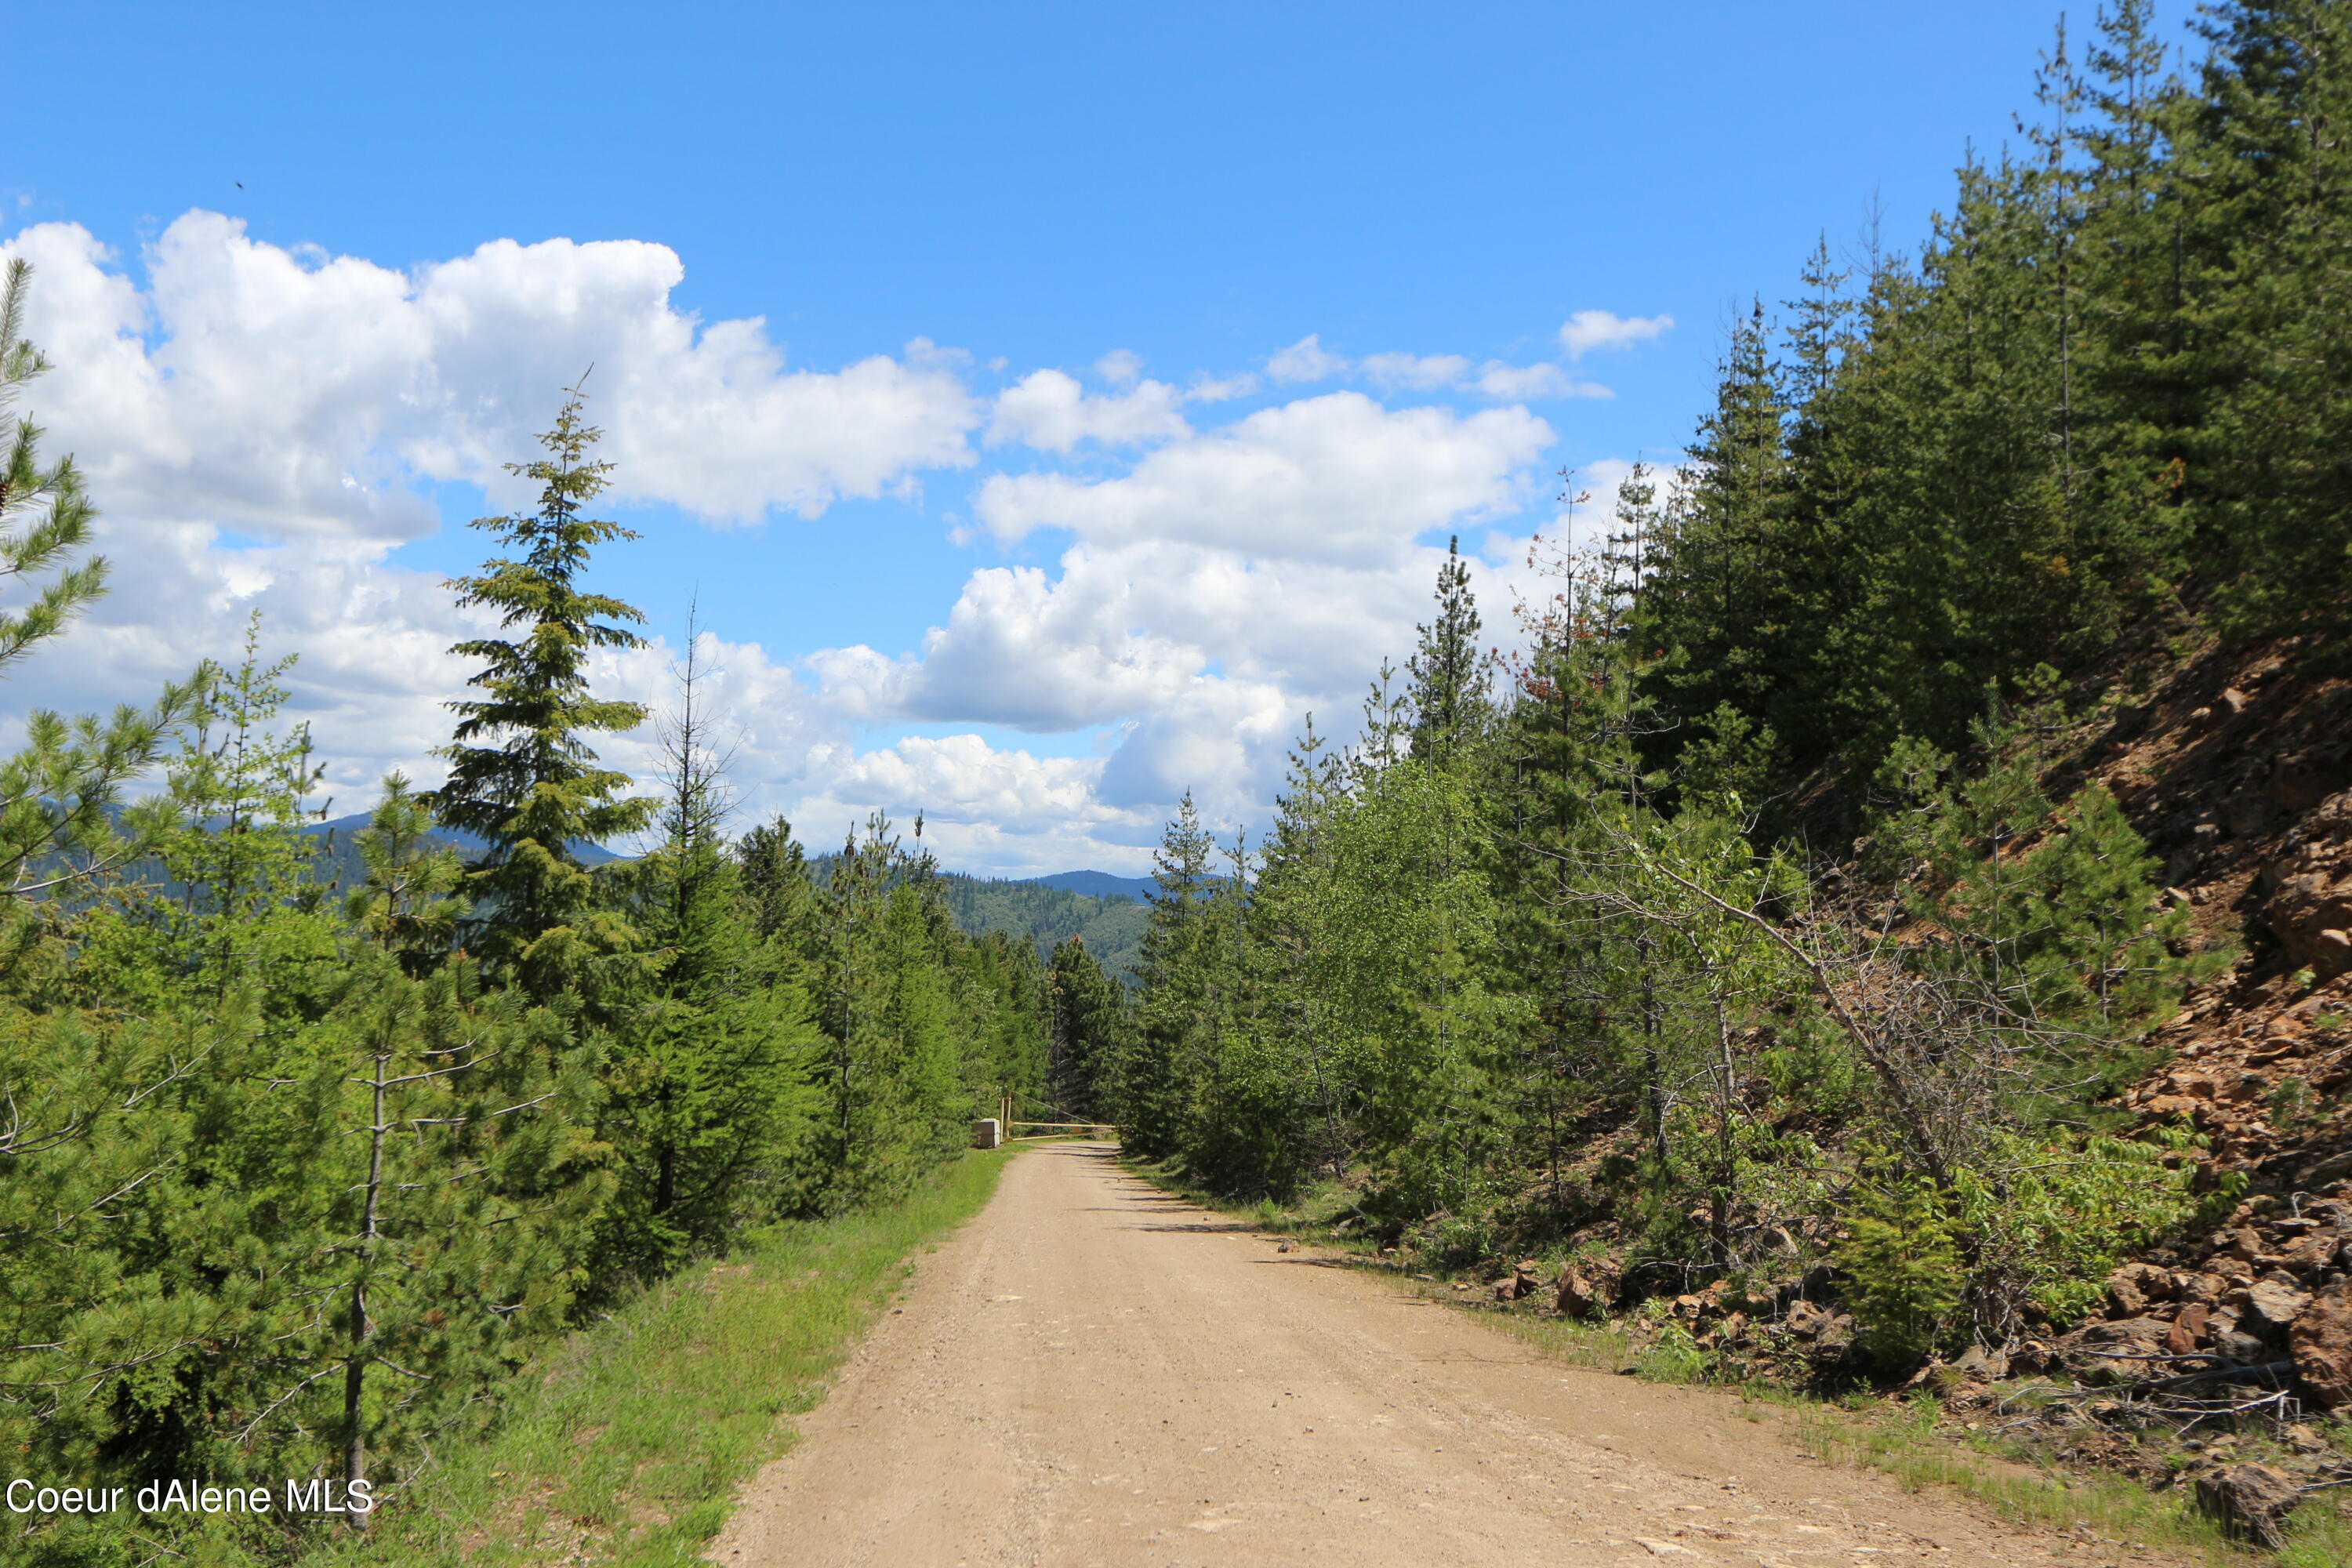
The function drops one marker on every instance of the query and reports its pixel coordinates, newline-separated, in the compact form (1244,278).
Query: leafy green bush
(1453,1241)
(2050,1218)
(1907,1272)
(1674,1356)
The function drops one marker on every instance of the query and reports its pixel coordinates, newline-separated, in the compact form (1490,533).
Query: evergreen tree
(1572,737)
(461,1185)
(1185,987)
(2265,276)
(780,894)
(1004,995)
(881,1071)
(61,792)
(1715,589)
(1089,1032)
(45,515)
(240,852)
(2050,909)
(1449,700)
(522,776)
(708,1097)
(406,903)
(227,902)
(923,1036)
(1286,918)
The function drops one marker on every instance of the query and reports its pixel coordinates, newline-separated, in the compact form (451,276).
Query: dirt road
(1093,1373)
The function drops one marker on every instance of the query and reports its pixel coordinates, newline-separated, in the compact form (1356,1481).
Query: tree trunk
(355,1364)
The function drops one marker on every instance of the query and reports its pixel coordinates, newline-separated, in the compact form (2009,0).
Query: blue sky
(1116,370)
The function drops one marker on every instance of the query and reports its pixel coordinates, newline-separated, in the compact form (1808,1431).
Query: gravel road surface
(1093,1373)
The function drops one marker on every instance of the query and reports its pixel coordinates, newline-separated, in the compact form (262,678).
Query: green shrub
(1674,1356)
(2049,1216)
(1905,1271)
(1453,1241)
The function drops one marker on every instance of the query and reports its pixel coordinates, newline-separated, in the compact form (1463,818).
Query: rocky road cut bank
(1093,1372)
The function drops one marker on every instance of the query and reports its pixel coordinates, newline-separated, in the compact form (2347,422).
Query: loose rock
(2250,1501)
(2321,1343)
(2275,1304)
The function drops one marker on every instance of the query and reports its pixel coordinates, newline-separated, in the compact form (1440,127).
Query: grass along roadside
(629,1448)
(1902,1440)
(1899,1438)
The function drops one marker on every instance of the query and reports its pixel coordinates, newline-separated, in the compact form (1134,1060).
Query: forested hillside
(1110,927)
(1786,949)
(304,1154)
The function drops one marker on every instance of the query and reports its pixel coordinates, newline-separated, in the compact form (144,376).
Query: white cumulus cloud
(1305,360)
(1419,372)
(1049,410)
(1206,388)
(1007,810)
(1497,379)
(1524,383)
(258,425)
(1020,650)
(1589,330)
(283,392)
(1336,477)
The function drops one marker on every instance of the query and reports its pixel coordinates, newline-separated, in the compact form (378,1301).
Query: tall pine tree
(522,776)
(1451,705)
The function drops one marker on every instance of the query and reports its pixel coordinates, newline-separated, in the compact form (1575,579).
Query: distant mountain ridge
(1050,910)
(1107,911)
(1098,884)
(343,827)
(1094,884)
